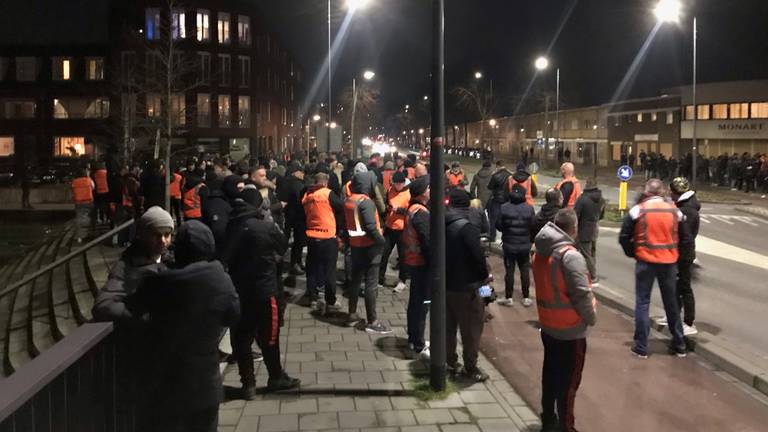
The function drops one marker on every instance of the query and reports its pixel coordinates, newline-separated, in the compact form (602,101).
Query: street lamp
(542,64)
(478,75)
(316,117)
(668,11)
(367,75)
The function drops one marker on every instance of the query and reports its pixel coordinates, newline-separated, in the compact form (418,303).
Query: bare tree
(364,108)
(476,101)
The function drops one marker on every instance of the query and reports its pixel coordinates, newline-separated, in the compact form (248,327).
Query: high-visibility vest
(387,178)
(174,189)
(82,190)
(100,177)
(192,207)
(397,200)
(358,237)
(556,311)
(576,190)
(413,256)
(656,231)
(410,173)
(454,179)
(321,223)
(525,184)
(348,189)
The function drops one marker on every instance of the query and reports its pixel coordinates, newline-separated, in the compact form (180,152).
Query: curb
(754,211)
(710,347)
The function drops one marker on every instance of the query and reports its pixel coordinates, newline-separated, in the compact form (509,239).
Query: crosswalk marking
(732,219)
(722,219)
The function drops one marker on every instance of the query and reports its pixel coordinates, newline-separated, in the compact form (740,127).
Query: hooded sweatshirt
(544,216)
(690,207)
(577,285)
(479,186)
(590,209)
(521,176)
(363,183)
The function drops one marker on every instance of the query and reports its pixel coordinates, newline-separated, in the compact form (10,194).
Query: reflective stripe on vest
(175,187)
(656,232)
(321,223)
(192,209)
(358,237)
(82,190)
(527,185)
(576,190)
(100,177)
(397,200)
(554,306)
(411,244)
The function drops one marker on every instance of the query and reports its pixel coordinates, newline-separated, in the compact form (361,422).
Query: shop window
(759,110)
(17,108)
(223,28)
(225,111)
(244,30)
(703,112)
(203,25)
(7,146)
(205,67)
(689,112)
(179,24)
(654,116)
(244,112)
(61,68)
(152,23)
(639,117)
(203,110)
(738,110)
(95,68)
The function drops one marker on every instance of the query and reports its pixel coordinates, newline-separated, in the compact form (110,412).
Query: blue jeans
(666,274)
(417,310)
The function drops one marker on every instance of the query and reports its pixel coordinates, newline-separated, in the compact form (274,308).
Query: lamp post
(669,11)
(367,75)
(542,64)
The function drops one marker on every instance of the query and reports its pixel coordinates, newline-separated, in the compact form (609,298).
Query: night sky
(594,50)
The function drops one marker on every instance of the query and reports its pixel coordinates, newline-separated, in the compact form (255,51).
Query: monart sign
(725,129)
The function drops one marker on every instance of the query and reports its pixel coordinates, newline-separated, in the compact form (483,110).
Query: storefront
(715,137)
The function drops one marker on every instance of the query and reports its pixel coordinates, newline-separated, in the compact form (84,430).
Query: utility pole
(695,155)
(330,83)
(437,208)
(354,112)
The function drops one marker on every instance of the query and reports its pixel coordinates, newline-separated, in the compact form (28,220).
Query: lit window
(69,146)
(95,69)
(3,67)
(154,105)
(223,27)
(244,30)
(689,112)
(203,25)
(225,111)
(720,111)
(654,116)
(178,110)
(62,68)
(739,110)
(179,24)
(670,118)
(17,108)
(152,23)
(203,110)
(759,110)
(244,112)
(205,67)
(703,112)
(80,108)
(226,69)
(245,71)
(7,146)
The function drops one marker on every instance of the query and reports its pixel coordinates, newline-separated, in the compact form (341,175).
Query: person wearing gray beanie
(154,220)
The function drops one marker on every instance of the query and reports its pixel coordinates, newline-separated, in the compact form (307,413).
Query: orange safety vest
(348,189)
(525,184)
(82,190)
(656,235)
(576,190)
(387,177)
(321,223)
(410,173)
(100,177)
(397,200)
(192,207)
(455,179)
(413,256)
(358,237)
(175,187)
(556,311)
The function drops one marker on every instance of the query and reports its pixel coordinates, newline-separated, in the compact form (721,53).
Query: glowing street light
(478,75)
(541,63)
(368,75)
(354,5)
(316,117)
(333,125)
(668,11)
(426,98)
(492,122)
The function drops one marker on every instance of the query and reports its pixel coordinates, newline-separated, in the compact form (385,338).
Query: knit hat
(252,196)
(360,168)
(398,177)
(459,198)
(455,165)
(487,163)
(155,219)
(194,242)
(419,186)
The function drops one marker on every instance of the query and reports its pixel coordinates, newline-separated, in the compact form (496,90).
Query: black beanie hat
(459,198)
(419,186)
(398,177)
(252,196)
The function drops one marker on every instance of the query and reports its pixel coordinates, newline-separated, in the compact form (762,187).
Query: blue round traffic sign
(625,173)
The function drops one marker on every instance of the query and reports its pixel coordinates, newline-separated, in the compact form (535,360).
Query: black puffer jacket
(590,209)
(498,185)
(515,224)
(690,206)
(216,212)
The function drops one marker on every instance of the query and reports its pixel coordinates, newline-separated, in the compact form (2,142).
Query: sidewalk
(353,381)
(620,392)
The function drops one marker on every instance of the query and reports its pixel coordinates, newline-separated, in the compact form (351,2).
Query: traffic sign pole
(624,174)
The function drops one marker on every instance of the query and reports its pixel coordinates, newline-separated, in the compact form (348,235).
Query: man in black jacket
(217,207)
(498,185)
(253,248)
(291,192)
(686,201)
(515,226)
(590,209)
(416,256)
(189,307)
(466,272)
(547,213)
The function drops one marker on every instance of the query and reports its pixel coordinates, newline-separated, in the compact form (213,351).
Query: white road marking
(746,219)
(704,219)
(722,219)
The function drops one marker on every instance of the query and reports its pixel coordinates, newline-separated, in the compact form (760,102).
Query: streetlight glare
(368,75)
(421,131)
(316,117)
(541,63)
(668,11)
(478,75)
(354,5)
(333,125)
(492,122)
(426,97)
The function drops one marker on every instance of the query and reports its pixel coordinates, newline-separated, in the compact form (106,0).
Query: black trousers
(394,238)
(685,298)
(523,262)
(494,214)
(299,241)
(417,309)
(465,312)
(321,268)
(260,322)
(561,377)
(589,250)
(176,212)
(365,268)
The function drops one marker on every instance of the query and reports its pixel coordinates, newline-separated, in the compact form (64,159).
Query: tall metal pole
(695,155)
(354,110)
(557,111)
(330,82)
(437,208)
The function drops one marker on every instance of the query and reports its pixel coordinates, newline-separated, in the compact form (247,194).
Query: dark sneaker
(296,270)
(248,392)
(378,328)
(283,383)
(639,354)
(352,319)
(549,423)
(476,374)
(453,369)
(680,353)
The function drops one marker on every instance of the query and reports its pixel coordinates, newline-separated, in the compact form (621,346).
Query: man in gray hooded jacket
(566,309)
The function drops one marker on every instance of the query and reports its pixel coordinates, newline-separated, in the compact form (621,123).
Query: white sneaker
(424,354)
(690,330)
(505,302)
(662,321)
(401,286)
(527,302)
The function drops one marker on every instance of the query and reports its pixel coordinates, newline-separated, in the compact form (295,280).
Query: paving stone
(406,403)
(460,428)
(397,376)
(300,357)
(265,407)
(279,423)
(514,399)
(491,410)
(423,428)
(248,424)
(352,388)
(298,323)
(332,355)
(396,418)
(372,403)
(385,386)
(348,365)
(292,347)
(365,377)
(477,397)
(357,355)
(333,377)
(314,330)
(452,401)
(319,421)
(379,365)
(299,406)
(345,347)
(366,347)
(433,416)
(302,338)
(335,404)
(315,347)
(358,419)
(380,429)
(306,378)
(292,367)
(497,425)
(232,404)
(461,415)
(525,413)
(226,429)
(316,366)
(229,417)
